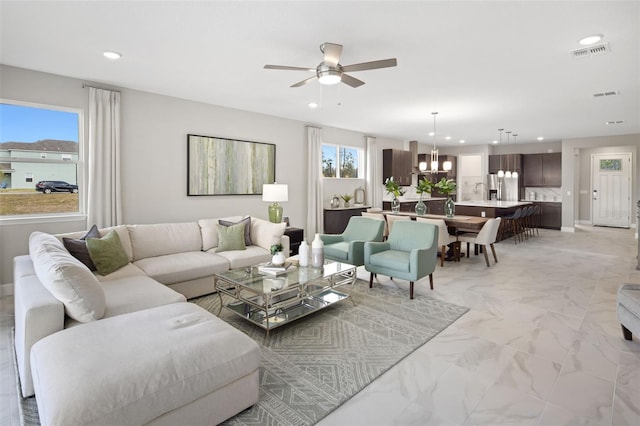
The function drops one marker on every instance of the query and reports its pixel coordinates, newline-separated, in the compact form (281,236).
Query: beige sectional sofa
(58,300)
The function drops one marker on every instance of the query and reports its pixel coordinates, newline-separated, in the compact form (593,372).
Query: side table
(296,235)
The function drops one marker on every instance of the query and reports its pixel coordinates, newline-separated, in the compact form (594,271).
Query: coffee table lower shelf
(269,319)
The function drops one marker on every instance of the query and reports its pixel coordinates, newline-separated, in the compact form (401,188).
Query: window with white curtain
(39,143)
(341,162)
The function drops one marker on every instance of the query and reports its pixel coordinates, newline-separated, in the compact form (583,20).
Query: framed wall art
(220,166)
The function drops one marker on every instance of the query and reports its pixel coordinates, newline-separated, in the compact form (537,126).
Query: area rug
(311,366)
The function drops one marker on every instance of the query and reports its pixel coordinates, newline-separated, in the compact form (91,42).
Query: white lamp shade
(514,175)
(275,192)
(507,174)
(500,173)
(434,166)
(447,165)
(422,166)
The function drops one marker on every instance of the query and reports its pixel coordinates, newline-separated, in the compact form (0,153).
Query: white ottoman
(629,309)
(174,364)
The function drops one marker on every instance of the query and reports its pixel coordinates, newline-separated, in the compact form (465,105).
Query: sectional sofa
(125,346)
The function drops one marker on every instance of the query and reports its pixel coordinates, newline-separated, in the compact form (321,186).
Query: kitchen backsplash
(543,194)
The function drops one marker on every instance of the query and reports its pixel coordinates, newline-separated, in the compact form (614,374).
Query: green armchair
(409,253)
(348,247)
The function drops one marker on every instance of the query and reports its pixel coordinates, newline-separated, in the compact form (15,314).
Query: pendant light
(514,175)
(434,151)
(500,172)
(507,173)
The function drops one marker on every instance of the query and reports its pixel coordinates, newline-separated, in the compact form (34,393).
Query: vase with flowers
(424,186)
(448,187)
(396,191)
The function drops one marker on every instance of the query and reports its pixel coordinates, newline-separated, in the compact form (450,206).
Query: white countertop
(414,200)
(493,203)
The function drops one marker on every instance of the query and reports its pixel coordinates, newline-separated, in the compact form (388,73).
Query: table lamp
(275,193)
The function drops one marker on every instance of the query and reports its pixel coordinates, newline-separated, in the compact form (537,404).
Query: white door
(611,189)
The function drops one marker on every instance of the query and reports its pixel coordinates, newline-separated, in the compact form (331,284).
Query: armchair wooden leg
(626,333)
(493,250)
(371,280)
(411,290)
(431,281)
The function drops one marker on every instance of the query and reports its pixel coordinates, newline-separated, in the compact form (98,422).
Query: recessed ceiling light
(448,138)
(462,141)
(540,138)
(112,55)
(430,133)
(589,40)
(495,142)
(313,105)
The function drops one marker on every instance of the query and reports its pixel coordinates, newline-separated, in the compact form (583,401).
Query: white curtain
(104,183)
(315,201)
(374,178)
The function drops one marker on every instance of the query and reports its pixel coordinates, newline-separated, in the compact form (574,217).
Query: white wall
(154,156)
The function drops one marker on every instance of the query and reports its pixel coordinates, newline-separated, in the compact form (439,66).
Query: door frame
(629,155)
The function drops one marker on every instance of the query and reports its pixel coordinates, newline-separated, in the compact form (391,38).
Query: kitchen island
(490,208)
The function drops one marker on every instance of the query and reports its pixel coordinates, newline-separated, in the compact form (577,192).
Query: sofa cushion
(241,258)
(131,369)
(337,250)
(107,253)
(175,268)
(78,247)
(66,278)
(265,234)
(129,270)
(132,294)
(209,230)
(231,237)
(247,228)
(162,239)
(122,230)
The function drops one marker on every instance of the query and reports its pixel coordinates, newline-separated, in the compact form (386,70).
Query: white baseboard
(568,229)
(6,289)
(583,222)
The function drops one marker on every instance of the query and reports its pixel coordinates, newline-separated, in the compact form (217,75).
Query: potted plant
(394,189)
(346,198)
(448,187)
(278,257)
(423,186)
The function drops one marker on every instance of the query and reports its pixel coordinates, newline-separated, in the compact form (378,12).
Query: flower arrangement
(393,187)
(446,186)
(276,248)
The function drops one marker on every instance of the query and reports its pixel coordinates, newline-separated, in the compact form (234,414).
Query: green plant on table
(446,186)
(424,186)
(393,187)
(276,248)
(347,197)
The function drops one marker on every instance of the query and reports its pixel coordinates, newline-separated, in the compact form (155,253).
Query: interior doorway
(611,189)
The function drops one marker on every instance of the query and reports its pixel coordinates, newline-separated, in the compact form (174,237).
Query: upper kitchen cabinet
(511,162)
(543,170)
(397,163)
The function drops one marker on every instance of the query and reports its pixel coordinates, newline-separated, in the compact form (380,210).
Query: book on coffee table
(271,269)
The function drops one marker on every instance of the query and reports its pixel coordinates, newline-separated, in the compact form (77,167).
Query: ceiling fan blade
(384,63)
(351,81)
(303,82)
(285,67)
(332,53)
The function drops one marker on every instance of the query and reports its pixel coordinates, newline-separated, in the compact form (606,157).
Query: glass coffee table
(272,301)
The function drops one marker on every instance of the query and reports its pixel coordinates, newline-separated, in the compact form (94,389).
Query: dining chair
(486,237)
(444,239)
(379,216)
(391,218)
(348,247)
(409,253)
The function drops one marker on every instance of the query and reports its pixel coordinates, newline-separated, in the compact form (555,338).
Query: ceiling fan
(329,71)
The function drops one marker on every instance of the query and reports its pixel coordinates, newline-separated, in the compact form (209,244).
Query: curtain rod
(84,86)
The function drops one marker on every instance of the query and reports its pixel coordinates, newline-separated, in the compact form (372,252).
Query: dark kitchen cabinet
(511,162)
(397,163)
(550,215)
(543,170)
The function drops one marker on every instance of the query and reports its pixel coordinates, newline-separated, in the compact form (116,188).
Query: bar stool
(512,222)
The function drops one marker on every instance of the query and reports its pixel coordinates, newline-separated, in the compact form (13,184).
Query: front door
(611,189)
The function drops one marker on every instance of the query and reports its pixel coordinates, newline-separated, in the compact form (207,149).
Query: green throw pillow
(230,237)
(107,253)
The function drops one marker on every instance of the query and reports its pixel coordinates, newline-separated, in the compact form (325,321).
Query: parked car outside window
(49,186)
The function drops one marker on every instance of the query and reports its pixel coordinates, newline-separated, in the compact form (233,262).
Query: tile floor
(541,344)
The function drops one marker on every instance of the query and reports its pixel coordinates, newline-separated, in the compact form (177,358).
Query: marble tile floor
(541,344)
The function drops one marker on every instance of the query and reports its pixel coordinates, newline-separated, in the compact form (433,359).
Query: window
(340,162)
(39,160)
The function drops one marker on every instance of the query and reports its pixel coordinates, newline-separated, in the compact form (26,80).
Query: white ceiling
(482,65)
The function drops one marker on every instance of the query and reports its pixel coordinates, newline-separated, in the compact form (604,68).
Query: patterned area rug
(311,366)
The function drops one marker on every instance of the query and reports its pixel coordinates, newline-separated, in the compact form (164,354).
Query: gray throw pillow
(78,247)
(247,228)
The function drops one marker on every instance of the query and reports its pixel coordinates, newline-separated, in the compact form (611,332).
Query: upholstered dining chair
(379,216)
(348,247)
(444,239)
(409,253)
(486,237)
(392,218)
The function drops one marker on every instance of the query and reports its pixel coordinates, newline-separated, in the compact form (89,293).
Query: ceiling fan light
(329,77)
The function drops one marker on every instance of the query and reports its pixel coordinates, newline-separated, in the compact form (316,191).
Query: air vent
(613,123)
(602,94)
(596,49)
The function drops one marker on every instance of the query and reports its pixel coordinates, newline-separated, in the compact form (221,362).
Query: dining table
(471,223)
